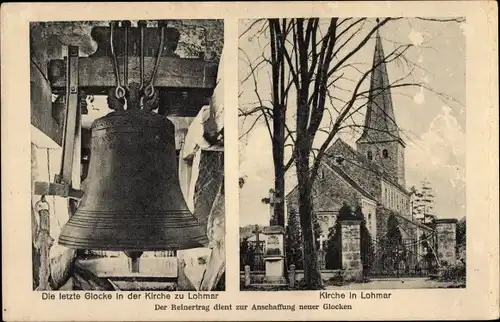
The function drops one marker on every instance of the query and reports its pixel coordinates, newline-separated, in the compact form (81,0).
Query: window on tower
(370,155)
(385,153)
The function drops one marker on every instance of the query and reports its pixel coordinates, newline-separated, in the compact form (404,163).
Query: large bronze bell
(132,200)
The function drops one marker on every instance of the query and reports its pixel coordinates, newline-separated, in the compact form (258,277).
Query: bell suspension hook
(120,90)
(141,24)
(126,24)
(149,90)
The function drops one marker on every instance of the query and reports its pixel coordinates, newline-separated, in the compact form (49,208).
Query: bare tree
(308,59)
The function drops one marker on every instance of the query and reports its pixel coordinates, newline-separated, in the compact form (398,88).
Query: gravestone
(351,249)
(274,256)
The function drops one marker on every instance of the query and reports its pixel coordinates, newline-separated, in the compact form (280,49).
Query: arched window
(369,219)
(370,155)
(385,153)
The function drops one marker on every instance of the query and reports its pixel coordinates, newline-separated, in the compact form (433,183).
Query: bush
(337,280)
(453,273)
(302,286)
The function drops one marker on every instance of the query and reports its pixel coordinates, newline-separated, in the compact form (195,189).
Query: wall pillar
(446,240)
(351,249)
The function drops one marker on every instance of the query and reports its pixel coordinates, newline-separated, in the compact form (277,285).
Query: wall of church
(401,167)
(369,209)
(330,191)
(388,155)
(326,220)
(365,177)
(393,198)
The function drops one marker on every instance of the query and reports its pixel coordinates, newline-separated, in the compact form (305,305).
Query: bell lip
(145,249)
(66,240)
(139,116)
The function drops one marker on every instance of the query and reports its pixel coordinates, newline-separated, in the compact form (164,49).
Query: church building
(371,176)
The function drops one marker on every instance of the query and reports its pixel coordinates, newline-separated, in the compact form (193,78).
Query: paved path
(392,283)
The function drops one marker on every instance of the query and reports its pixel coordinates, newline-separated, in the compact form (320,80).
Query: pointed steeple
(380,122)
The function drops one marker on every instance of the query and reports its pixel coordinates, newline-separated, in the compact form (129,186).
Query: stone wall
(326,220)
(369,209)
(351,249)
(393,165)
(354,166)
(446,240)
(330,191)
(258,277)
(393,198)
(196,35)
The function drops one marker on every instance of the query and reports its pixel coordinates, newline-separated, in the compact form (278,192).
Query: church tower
(380,141)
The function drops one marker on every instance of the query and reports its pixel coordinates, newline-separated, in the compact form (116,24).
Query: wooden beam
(72,117)
(96,74)
(41,107)
(42,140)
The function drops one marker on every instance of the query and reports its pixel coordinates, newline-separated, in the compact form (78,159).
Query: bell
(132,200)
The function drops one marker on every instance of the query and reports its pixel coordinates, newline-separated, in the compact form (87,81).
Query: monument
(274,256)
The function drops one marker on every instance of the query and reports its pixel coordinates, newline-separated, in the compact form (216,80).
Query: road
(392,283)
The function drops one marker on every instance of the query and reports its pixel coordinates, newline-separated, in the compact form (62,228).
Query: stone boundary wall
(258,276)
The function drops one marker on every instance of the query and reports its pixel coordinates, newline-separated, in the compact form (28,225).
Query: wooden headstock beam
(96,74)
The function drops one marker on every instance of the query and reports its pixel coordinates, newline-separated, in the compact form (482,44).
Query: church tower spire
(380,141)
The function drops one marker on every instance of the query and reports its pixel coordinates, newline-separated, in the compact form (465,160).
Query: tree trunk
(312,274)
(279,167)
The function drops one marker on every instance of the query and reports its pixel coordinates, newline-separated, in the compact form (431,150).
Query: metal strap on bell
(132,200)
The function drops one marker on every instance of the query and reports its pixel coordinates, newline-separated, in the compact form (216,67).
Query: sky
(432,125)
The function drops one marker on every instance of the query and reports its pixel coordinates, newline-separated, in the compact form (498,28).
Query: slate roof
(380,121)
(399,216)
(363,164)
(350,180)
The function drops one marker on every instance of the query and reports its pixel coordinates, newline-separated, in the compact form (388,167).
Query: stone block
(247,275)
(274,267)
(353,275)
(356,264)
(292,275)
